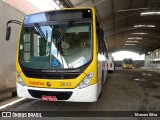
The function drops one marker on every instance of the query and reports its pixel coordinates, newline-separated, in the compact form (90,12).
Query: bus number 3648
(66,84)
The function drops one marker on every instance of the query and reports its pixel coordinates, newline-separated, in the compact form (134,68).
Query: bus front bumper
(87,94)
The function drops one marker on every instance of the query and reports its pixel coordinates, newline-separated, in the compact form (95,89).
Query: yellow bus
(127,63)
(61,56)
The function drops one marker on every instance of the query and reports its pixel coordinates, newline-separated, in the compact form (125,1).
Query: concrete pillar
(8,48)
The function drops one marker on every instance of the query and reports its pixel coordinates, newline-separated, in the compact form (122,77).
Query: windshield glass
(56,46)
(128,61)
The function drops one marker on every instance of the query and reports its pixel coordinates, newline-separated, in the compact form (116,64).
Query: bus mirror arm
(8,33)
(8,29)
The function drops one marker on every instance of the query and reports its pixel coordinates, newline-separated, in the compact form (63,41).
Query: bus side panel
(99,76)
(95,53)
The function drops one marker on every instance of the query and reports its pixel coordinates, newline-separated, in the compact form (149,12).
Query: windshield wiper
(40,31)
(69,24)
(62,35)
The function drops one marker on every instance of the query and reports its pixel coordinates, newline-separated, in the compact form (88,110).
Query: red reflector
(110,65)
(49,98)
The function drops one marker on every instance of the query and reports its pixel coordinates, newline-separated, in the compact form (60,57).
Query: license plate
(49,98)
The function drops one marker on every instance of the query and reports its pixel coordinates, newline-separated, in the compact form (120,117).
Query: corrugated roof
(122,20)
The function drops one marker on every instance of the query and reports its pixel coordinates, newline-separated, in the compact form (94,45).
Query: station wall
(152,60)
(8,48)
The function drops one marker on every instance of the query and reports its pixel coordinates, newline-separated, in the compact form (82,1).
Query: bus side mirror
(8,33)
(101,34)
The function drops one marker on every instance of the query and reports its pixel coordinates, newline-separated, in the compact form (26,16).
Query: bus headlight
(20,80)
(85,82)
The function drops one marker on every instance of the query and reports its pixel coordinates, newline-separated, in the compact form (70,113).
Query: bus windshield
(56,45)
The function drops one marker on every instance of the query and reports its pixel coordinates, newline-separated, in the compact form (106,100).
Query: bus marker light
(110,65)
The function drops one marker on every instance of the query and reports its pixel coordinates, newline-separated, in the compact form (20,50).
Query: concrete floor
(125,90)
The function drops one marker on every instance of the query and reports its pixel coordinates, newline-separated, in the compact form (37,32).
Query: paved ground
(125,90)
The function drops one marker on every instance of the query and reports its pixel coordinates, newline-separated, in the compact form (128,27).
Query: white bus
(61,56)
(111,65)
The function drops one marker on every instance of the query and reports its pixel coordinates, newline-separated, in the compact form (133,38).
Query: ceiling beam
(120,15)
(121,46)
(120,30)
(127,48)
(80,3)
